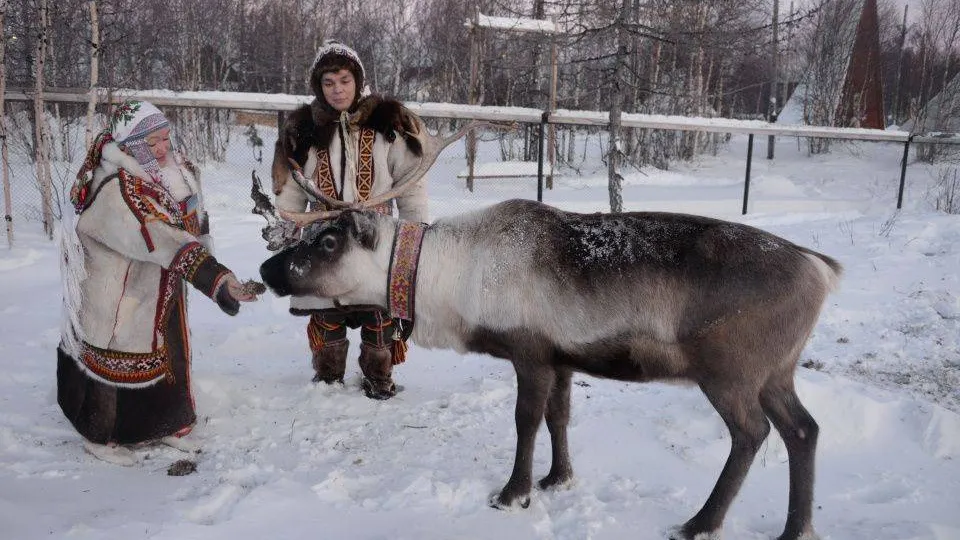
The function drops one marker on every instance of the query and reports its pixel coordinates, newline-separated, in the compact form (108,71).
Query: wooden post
(543,122)
(474,93)
(7,202)
(94,71)
(44,177)
(774,76)
(903,172)
(746,182)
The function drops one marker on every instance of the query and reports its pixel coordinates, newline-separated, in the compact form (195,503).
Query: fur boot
(330,362)
(377,367)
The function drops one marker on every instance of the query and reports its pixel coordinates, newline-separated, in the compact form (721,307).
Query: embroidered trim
(216,282)
(148,202)
(188,260)
(80,190)
(146,126)
(167,290)
(383,208)
(324,175)
(318,333)
(190,214)
(125,369)
(365,169)
(404,259)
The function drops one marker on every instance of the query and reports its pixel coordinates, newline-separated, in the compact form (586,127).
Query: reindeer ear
(363,227)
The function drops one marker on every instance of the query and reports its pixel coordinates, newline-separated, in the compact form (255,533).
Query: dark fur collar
(315,125)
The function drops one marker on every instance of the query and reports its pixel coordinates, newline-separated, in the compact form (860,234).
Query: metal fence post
(746,184)
(903,171)
(544,118)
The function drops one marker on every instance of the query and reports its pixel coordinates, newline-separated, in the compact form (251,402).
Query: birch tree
(4,152)
(614,155)
(94,71)
(42,147)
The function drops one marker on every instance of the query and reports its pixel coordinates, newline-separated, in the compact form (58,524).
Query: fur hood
(314,126)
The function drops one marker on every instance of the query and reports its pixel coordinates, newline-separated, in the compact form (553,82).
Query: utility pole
(774,77)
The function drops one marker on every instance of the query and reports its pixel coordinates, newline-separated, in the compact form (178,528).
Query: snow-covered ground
(283,458)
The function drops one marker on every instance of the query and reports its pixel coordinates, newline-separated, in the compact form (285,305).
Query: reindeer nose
(273,275)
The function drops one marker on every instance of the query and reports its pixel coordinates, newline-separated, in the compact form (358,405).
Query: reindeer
(640,296)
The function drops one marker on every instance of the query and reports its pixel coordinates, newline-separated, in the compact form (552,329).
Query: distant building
(842,84)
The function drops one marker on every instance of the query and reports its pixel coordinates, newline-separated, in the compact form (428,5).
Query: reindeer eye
(328,243)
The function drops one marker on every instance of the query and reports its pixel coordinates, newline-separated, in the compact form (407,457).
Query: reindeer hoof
(555,481)
(500,501)
(798,536)
(685,533)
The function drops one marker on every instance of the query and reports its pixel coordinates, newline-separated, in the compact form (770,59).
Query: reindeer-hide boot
(328,341)
(330,362)
(376,363)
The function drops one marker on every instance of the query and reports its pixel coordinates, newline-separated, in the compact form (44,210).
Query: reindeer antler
(278,233)
(432,147)
(311,189)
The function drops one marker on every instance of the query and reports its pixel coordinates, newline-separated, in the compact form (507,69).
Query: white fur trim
(72,273)
(113,155)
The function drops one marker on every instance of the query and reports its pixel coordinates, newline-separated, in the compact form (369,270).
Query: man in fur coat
(123,370)
(353,146)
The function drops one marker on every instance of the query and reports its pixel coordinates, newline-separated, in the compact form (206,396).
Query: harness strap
(402,276)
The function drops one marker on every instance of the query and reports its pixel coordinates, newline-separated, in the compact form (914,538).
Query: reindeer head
(341,258)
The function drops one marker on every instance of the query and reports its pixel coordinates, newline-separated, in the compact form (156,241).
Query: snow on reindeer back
(662,239)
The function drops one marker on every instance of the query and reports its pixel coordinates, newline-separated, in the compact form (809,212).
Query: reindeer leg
(799,432)
(739,406)
(558,416)
(534,380)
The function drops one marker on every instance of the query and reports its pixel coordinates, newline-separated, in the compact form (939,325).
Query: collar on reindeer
(402,277)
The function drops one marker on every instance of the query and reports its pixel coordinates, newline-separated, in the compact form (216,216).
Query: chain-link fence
(229,144)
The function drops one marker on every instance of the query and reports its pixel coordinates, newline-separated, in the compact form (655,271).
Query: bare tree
(614,152)
(94,71)
(4,152)
(827,49)
(42,159)
(703,58)
(939,33)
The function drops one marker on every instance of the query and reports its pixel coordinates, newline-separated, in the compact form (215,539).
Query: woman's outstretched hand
(231,292)
(244,292)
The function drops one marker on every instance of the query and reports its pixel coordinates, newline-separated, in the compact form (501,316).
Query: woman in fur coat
(123,370)
(353,146)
